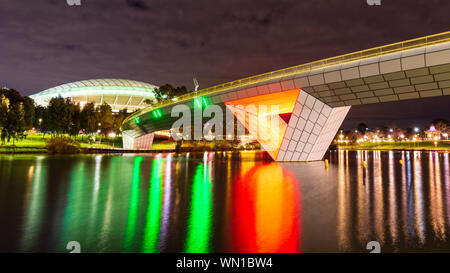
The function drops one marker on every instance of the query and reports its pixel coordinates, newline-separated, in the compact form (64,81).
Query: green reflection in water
(73,220)
(133,208)
(102,203)
(152,225)
(199,223)
(34,213)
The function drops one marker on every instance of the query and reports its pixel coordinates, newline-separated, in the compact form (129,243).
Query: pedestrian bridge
(315,97)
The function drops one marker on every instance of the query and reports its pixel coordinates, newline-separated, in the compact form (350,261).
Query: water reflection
(399,201)
(225,202)
(200,219)
(133,206)
(265,211)
(35,202)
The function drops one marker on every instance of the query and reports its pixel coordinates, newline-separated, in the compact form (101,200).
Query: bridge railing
(304,68)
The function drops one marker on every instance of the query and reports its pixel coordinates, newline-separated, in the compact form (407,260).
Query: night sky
(44,43)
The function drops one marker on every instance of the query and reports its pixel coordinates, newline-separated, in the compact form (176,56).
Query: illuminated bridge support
(311,129)
(304,134)
(143,142)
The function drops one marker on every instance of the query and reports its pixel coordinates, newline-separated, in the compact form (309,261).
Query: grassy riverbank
(404,145)
(36,143)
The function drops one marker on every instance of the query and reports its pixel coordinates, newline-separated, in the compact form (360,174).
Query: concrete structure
(320,94)
(118,93)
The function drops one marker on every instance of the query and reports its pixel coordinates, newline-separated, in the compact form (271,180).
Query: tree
(15,122)
(362,128)
(167,91)
(75,124)
(105,118)
(40,118)
(4,109)
(88,118)
(60,113)
(29,112)
(119,118)
(149,101)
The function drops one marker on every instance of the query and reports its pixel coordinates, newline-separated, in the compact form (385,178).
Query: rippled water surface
(225,202)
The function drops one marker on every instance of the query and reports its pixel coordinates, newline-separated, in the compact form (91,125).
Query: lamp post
(98,132)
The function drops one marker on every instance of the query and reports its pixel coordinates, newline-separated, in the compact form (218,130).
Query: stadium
(118,93)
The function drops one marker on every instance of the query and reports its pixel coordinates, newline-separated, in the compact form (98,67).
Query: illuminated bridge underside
(327,91)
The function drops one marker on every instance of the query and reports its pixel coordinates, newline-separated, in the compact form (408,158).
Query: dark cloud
(137,4)
(46,43)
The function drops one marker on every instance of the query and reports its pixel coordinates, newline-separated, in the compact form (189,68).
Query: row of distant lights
(200,102)
(392,130)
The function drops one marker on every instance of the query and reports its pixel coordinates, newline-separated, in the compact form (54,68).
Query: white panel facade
(311,129)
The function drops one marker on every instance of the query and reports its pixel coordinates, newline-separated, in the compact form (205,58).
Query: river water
(225,202)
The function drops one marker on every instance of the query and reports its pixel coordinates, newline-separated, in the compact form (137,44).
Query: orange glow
(266,211)
(269,134)
(285,100)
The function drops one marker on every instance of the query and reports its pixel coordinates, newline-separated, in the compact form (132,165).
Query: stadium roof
(119,93)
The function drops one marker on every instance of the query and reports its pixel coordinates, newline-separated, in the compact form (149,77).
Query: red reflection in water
(266,211)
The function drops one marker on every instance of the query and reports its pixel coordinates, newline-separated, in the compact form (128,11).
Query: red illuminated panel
(269,131)
(265,212)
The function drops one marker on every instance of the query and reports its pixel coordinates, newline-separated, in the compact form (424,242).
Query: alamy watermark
(374,2)
(374,246)
(261,121)
(73,2)
(74,246)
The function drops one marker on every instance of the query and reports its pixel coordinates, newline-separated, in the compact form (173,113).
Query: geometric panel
(311,129)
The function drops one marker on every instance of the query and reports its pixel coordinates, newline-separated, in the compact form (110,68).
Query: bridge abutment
(143,142)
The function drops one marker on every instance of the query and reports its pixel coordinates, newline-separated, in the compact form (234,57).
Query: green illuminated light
(137,120)
(201,102)
(157,113)
(205,101)
(197,102)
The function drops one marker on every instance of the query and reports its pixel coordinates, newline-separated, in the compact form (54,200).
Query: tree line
(61,116)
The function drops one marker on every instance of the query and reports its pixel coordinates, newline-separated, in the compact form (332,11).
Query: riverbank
(443,145)
(36,143)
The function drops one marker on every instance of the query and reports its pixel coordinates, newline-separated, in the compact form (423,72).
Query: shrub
(63,145)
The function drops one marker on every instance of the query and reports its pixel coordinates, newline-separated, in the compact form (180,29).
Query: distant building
(118,93)
(432,133)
